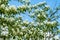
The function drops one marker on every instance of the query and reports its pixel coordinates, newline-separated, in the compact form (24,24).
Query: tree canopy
(43,27)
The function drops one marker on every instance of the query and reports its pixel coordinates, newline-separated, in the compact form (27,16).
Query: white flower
(32,23)
(23,27)
(30,38)
(6,27)
(21,33)
(40,3)
(23,6)
(53,22)
(48,34)
(4,33)
(30,32)
(44,16)
(13,8)
(26,1)
(3,28)
(2,16)
(11,19)
(32,14)
(43,2)
(2,6)
(17,30)
(47,6)
(41,10)
(41,23)
(26,22)
(41,31)
(45,21)
(38,15)
(37,23)
(35,5)
(13,31)
(7,9)
(56,37)
(36,11)
(48,22)
(43,13)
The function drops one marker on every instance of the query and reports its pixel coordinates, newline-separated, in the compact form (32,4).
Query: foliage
(44,22)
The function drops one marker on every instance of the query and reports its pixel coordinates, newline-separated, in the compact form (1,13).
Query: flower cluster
(51,24)
(4,31)
(42,16)
(13,9)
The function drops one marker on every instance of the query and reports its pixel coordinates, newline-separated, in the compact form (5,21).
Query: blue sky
(51,3)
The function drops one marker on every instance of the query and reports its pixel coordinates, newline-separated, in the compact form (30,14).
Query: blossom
(2,6)
(13,9)
(41,32)
(48,34)
(30,32)
(22,8)
(41,23)
(32,15)
(36,11)
(41,3)
(51,24)
(38,15)
(47,6)
(27,1)
(4,33)
(56,37)
(21,33)
(26,22)
(4,28)
(23,27)
(11,19)
(6,9)
(10,7)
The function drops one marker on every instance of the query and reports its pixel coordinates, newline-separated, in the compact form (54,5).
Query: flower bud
(25,22)
(51,24)
(21,33)
(2,6)
(7,10)
(46,8)
(13,9)
(41,3)
(11,19)
(22,8)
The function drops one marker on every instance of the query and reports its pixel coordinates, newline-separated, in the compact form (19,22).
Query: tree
(44,25)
